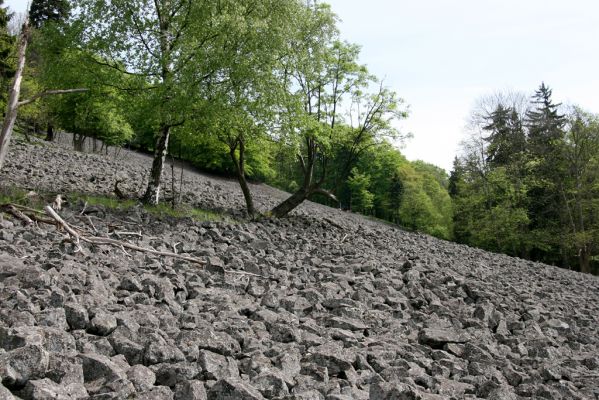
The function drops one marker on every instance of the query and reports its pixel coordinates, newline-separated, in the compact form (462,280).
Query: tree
(7,68)
(15,90)
(241,107)
(580,191)
(506,139)
(321,73)
(371,117)
(42,11)
(171,46)
(547,175)
(361,199)
(545,124)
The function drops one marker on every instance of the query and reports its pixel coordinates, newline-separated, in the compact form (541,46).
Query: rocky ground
(346,308)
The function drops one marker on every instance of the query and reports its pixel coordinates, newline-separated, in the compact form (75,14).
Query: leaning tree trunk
(152,194)
(240,168)
(290,203)
(13,98)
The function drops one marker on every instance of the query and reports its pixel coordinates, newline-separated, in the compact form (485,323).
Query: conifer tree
(545,124)
(42,11)
(507,140)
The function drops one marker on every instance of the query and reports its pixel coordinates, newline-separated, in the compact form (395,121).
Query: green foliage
(361,199)
(7,49)
(93,115)
(161,210)
(533,190)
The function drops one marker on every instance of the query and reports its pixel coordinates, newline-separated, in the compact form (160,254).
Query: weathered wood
(12,108)
(13,97)
(97,240)
(50,93)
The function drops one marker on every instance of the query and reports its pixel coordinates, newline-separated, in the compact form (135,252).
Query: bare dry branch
(49,93)
(97,240)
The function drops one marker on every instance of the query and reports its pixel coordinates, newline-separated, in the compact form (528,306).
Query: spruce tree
(42,11)
(547,175)
(506,138)
(545,124)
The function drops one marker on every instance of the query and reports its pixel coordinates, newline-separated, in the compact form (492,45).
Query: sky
(441,56)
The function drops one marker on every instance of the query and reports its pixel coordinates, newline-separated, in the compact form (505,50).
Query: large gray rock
(142,377)
(216,366)
(437,337)
(102,324)
(233,389)
(333,356)
(190,390)
(23,364)
(97,366)
(46,389)
(393,391)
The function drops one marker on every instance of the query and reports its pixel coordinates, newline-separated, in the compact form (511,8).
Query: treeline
(528,182)
(264,91)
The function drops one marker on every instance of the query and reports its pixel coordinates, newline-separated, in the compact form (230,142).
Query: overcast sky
(440,56)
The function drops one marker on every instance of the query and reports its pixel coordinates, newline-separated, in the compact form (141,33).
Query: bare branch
(97,240)
(325,193)
(50,93)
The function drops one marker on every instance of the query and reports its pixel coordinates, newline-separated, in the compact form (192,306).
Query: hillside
(344,308)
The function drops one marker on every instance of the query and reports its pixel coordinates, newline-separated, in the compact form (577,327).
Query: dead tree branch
(97,240)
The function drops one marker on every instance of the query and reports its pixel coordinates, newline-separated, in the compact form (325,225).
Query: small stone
(333,356)
(392,391)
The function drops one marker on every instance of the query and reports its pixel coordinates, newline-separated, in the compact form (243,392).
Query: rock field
(346,308)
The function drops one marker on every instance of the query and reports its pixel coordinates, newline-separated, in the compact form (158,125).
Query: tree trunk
(584,260)
(152,194)
(78,142)
(50,133)
(13,98)
(290,203)
(240,168)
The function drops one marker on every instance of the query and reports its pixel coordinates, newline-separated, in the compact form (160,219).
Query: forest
(269,91)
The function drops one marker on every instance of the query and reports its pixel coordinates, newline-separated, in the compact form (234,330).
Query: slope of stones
(346,308)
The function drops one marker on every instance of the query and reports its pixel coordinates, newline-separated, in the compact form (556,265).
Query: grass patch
(162,210)
(111,203)
(183,211)
(12,195)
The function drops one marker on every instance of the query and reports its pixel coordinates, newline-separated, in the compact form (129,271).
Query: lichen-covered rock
(190,390)
(232,389)
(46,389)
(23,364)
